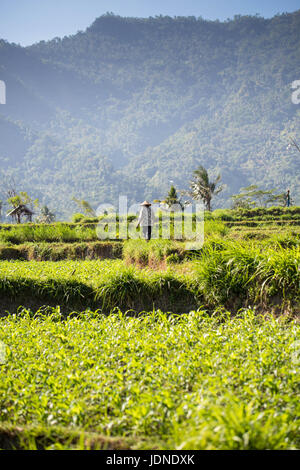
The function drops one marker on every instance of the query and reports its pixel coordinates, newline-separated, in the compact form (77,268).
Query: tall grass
(242,272)
(47,233)
(108,228)
(224,274)
(155,251)
(56,251)
(98,284)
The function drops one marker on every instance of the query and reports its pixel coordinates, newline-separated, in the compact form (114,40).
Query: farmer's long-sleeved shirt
(146,217)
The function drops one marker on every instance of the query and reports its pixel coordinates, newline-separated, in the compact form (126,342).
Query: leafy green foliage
(252,196)
(22,199)
(169,381)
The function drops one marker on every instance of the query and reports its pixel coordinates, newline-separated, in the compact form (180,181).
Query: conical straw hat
(146,203)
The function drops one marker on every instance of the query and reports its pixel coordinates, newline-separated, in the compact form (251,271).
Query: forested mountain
(130,104)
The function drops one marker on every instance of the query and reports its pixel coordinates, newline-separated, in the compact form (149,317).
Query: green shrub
(173,259)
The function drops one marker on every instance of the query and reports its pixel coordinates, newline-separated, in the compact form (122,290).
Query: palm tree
(202,188)
(172,198)
(46,216)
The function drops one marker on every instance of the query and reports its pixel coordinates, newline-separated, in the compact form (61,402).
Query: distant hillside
(130,104)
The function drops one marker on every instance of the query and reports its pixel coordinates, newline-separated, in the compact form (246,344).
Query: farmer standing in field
(146,219)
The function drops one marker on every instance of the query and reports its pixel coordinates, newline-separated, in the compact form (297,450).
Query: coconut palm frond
(202,188)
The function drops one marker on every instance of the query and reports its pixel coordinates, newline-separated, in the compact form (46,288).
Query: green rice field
(136,345)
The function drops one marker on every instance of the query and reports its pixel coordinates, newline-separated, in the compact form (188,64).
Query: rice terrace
(138,345)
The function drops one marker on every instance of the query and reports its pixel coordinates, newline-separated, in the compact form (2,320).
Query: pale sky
(29,21)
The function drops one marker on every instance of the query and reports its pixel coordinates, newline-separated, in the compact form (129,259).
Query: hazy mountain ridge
(130,104)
